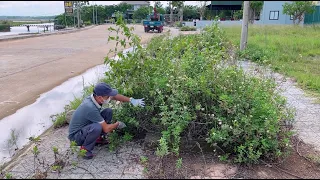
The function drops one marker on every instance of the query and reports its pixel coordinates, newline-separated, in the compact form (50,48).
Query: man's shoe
(101,141)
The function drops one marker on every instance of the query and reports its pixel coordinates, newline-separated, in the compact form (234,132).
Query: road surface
(30,67)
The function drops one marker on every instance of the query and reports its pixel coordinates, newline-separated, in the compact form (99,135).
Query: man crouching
(89,122)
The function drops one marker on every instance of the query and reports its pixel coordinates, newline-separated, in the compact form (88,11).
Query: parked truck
(154,21)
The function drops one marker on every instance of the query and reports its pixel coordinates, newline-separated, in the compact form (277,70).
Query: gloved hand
(137,102)
(121,125)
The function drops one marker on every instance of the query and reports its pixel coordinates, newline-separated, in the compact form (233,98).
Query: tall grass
(59,120)
(291,50)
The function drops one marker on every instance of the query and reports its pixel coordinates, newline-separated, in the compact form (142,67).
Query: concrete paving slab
(121,163)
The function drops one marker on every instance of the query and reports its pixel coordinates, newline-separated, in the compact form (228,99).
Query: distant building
(136,5)
(272,13)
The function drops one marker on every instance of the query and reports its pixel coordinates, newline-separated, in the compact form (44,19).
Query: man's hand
(121,125)
(137,102)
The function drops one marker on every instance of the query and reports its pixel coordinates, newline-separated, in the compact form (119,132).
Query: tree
(202,8)
(141,13)
(190,12)
(297,9)
(60,19)
(158,4)
(255,9)
(78,5)
(161,10)
(171,11)
(180,5)
(109,10)
(123,7)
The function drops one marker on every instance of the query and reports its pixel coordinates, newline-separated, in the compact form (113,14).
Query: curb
(39,35)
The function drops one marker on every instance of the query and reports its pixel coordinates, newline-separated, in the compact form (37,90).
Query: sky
(50,8)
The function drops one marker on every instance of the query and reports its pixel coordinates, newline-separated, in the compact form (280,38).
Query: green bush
(87,23)
(187,91)
(188,28)
(255,54)
(178,24)
(4,27)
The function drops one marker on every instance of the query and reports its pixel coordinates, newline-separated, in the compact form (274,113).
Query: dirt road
(30,67)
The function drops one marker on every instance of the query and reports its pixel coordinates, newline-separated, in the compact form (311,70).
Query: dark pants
(88,135)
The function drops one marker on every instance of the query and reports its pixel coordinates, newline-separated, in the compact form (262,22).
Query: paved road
(30,67)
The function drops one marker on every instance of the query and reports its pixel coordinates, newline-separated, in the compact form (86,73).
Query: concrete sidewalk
(27,35)
(121,164)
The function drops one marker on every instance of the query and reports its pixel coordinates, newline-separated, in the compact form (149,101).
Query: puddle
(34,119)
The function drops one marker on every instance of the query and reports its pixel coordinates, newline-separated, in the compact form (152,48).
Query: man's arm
(121,98)
(109,127)
(134,102)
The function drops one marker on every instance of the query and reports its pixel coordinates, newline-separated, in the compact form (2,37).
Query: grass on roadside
(59,120)
(291,50)
(188,28)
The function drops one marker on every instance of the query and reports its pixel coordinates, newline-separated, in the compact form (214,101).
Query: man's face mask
(105,101)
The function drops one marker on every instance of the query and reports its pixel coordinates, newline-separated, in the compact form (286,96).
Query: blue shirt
(87,113)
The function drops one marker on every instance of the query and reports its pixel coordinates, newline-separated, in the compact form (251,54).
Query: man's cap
(103,89)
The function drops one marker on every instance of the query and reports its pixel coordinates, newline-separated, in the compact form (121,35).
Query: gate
(313,18)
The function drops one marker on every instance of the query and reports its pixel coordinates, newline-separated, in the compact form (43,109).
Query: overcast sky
(49,8)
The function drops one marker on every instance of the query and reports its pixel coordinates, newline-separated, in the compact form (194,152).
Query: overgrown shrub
(4,27)
(178,24)
(87,23)
(189,90)
(188,28)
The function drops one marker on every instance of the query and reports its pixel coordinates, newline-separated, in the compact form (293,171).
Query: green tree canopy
(190,12)
(296,9)
(141,13)
(123,7)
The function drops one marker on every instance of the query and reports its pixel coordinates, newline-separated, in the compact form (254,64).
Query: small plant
(145,170)
(56,168)
(143,159)
(73,146)
(179,163)
(59,120)
(35,151)
(34,139)
(74,164)
(13,139)
(162,150)
(8,176)
(82,152)
(224,157)
(127,137)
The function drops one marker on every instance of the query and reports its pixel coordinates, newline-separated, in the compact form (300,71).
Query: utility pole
(244,30)
(97,15)
(78,14)
(93,12)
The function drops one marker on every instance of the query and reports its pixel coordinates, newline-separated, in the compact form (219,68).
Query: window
(274,15)
(291,17)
